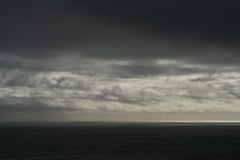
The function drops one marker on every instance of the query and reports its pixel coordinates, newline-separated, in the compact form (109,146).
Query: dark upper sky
(119,29)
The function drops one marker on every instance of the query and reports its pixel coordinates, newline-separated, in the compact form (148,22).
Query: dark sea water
(109,141)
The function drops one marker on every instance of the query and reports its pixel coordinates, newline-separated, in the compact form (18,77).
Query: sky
(128,60)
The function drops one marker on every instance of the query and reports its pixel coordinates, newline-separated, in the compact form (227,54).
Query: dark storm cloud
(207,17)
(121,29)
(125,55)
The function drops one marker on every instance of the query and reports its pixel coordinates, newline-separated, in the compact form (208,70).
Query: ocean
(119,141)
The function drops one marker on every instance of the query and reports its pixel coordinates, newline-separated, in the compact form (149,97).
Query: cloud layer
(119,56)
(119,85)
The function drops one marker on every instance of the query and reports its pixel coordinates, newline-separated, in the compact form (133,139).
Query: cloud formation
(117,85)
(119,56)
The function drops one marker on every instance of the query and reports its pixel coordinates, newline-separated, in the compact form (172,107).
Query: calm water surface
(103,141)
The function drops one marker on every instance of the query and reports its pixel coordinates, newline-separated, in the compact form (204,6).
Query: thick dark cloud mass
(217,18)
(119,56)
(121,29)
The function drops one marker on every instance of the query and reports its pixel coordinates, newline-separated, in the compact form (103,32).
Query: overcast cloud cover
(144,56)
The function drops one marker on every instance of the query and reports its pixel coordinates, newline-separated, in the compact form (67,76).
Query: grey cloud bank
(112,85)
